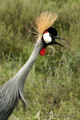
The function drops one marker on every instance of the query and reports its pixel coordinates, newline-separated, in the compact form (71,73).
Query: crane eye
(47,37)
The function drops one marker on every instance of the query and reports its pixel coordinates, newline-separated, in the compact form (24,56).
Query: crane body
(12,91)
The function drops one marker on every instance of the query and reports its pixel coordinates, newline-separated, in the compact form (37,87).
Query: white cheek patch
(47,38)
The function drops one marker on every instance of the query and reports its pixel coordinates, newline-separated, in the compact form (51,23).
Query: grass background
(52,88)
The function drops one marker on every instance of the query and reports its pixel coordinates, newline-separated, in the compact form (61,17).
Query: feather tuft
(44,21)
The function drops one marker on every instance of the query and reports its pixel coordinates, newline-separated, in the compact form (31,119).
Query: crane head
(48,38)
(45,32)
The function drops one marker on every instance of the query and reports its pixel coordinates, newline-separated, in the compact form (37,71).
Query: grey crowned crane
(12,90)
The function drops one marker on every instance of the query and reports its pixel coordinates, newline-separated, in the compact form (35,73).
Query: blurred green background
(52,88)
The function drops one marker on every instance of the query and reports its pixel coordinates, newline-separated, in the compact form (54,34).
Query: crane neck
(23,72)
(36,51)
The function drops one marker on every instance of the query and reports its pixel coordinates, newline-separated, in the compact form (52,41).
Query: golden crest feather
(44,21)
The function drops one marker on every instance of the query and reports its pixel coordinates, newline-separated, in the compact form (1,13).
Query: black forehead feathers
(52,31)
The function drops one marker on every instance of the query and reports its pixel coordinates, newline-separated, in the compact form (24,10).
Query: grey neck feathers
(22,74)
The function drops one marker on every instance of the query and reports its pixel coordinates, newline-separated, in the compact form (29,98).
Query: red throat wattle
(42,51)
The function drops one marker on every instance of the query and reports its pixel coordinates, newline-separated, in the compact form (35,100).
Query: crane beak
(56,37)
